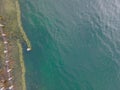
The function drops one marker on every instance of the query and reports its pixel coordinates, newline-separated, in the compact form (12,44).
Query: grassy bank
(22,65)
(20,25)
(10,11)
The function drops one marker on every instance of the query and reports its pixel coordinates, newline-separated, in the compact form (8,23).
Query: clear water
(76,44)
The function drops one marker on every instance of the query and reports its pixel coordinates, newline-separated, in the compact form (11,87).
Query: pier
(7,69)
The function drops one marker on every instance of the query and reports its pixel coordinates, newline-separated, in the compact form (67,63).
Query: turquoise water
(76,44)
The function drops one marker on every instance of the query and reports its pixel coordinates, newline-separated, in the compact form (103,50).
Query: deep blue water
(76,44)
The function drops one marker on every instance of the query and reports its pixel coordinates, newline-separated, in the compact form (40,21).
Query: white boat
(10,78)
(3,34)
(2,88)
(5,51)
(1,25)
(5,42)
(7,61)
(11,87)
(28,49)
(9,70)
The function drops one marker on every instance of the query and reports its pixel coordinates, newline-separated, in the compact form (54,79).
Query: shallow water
(76,44)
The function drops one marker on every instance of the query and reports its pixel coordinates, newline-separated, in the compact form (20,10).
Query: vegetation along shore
(12,36)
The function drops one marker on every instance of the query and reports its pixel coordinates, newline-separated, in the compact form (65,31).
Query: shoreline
(11,14)
(21,58)
(23,70)
(20,24)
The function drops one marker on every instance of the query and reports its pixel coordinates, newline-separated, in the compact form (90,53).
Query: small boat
(3,34)
(7,61)
(9,70)
(11,87)
(1,25)
(5,42)
(2,88)
(5,51)
(28,49)
(10,78)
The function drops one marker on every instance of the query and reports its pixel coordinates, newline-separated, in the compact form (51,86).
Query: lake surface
(76,44)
